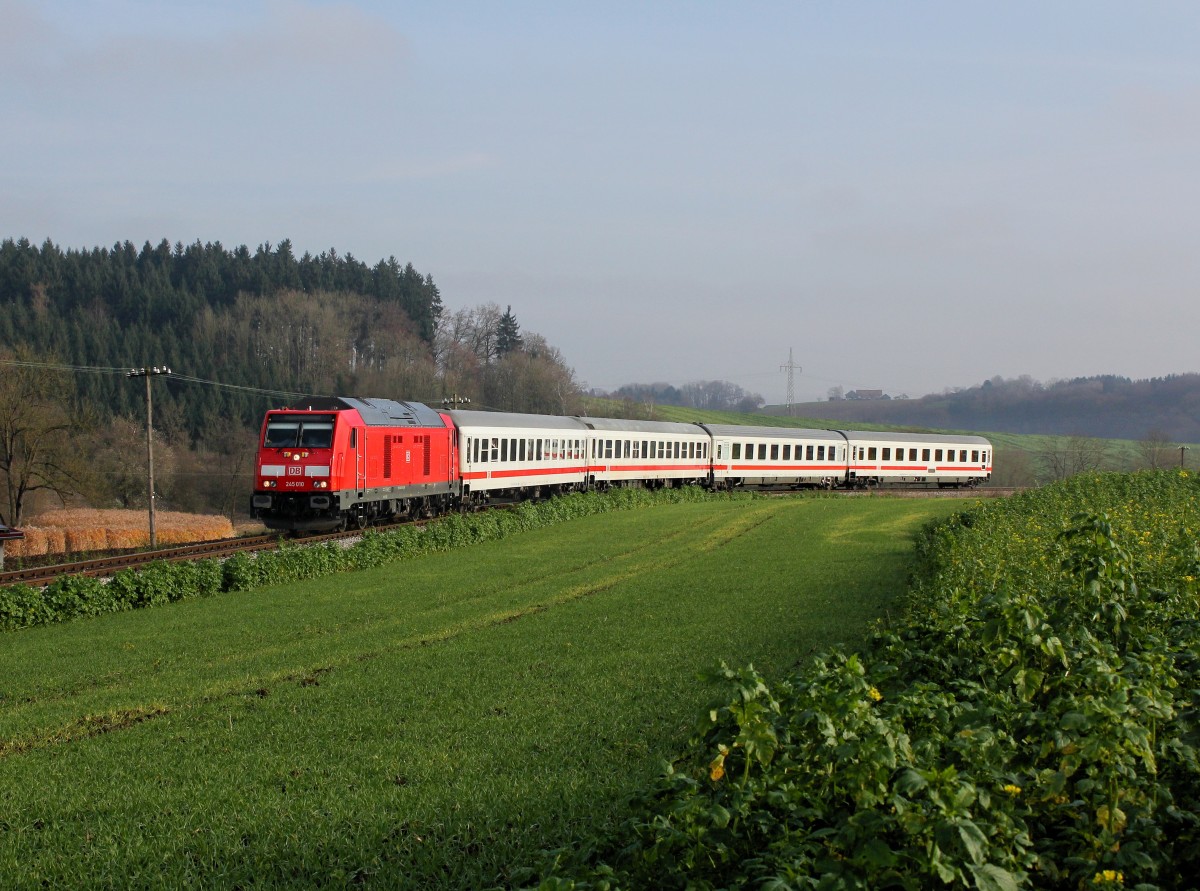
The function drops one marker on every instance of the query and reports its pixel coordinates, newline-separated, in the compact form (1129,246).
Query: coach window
(937,454)
(887,454)
(974,456)
(628,448)
(962,456)
(787,452)
(737,451)
(504,450)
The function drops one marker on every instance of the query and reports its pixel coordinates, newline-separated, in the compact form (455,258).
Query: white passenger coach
(502,454)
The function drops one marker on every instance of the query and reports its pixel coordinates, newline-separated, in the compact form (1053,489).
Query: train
(343,462)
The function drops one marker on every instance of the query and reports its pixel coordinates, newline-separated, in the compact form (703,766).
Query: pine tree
(508,334)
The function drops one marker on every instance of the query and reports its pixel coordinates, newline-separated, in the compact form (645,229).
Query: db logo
(295,470)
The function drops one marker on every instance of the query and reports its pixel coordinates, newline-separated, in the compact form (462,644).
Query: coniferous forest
(242,330)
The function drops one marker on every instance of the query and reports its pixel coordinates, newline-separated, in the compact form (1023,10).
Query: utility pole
(1182,449)
(791,368)
(148,373)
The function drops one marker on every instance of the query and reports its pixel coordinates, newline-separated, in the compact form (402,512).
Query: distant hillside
(1106,407)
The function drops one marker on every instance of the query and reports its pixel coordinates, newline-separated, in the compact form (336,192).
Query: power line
(185,378)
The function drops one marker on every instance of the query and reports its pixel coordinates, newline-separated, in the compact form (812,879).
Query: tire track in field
(674,547)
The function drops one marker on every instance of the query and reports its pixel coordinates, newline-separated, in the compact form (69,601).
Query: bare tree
(38,445)
(1063,458)
(1156,450)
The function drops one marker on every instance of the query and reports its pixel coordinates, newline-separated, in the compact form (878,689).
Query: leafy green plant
(1030,721)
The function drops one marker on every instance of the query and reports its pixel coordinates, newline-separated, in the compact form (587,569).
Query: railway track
(106,566)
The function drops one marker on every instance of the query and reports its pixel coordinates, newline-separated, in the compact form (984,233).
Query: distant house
(865,394)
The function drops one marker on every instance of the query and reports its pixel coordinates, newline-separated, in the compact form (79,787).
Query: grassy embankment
(433,723)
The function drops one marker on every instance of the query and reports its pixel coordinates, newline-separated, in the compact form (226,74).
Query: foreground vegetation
(1031,723)
(432,722)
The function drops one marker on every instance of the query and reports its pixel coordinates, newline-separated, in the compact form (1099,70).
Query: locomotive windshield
(299,431)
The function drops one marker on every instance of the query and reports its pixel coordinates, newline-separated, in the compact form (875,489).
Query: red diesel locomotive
(334,462)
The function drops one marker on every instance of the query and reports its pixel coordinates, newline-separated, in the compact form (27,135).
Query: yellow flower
(1109,877)
(874,695)
(1011,789)
(716,769)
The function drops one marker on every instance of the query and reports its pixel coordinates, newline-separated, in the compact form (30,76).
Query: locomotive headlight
(296,457)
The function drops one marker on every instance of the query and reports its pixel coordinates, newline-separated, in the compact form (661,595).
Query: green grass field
(433,723)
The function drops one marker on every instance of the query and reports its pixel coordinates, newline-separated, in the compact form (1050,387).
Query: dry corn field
(81,531)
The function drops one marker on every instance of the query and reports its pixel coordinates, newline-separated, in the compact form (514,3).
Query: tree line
(1103,406)
(239,328)
(710,395)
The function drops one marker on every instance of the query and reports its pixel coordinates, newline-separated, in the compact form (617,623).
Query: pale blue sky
(910,196)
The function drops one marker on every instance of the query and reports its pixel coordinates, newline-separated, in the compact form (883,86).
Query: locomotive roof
(377,412)
(469,418)
(621,425)
(772,432)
